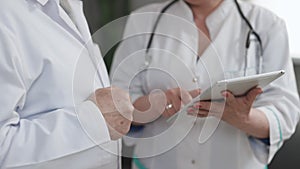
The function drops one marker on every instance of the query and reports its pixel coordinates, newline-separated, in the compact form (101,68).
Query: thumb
(195,93)
(251,96)
(185,96)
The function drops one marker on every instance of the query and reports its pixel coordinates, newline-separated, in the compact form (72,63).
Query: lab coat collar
(188,12)
(215,19)
(42,2)
(218,16)
(76,5)
(222,10)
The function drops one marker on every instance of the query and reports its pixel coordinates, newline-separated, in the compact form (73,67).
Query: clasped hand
(116,108)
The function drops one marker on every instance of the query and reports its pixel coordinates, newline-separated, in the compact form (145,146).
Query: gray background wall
(100,12)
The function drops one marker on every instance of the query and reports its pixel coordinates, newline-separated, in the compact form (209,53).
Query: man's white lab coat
(47,72)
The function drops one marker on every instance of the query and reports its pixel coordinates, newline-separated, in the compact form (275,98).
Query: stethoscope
(252,35)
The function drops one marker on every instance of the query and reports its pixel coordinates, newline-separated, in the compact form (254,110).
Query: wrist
(256,124)
(238,120)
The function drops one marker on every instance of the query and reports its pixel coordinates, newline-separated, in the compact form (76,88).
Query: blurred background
(101,12)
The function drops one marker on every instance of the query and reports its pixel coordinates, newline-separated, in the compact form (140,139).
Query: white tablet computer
(238,86)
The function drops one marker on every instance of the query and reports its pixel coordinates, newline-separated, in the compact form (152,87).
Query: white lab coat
(46,75)
(174,64)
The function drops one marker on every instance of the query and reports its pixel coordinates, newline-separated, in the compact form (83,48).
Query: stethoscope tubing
(247,43)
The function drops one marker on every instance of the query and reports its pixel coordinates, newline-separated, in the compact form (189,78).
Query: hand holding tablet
(237,86)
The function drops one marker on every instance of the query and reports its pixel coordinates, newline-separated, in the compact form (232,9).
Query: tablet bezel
(238,86)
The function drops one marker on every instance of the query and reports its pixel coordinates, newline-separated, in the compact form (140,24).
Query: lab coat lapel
(79,19)
(82,36)
(60,18)
(66,18)
(93,49)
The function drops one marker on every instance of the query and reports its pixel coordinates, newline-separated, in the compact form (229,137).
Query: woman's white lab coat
(206,143)
(46,76)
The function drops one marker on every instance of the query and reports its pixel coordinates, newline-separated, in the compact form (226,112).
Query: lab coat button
(193,161)
(195,80)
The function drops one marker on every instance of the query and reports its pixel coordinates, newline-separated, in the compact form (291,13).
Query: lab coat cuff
(275,135)
(93,122)
(260,149)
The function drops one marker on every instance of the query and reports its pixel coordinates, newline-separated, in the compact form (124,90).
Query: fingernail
(225,94)
(197,106)
(190,110)
(191,114)
(199,91)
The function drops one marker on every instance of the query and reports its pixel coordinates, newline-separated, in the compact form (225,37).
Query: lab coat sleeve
(280,100)
(46,136)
